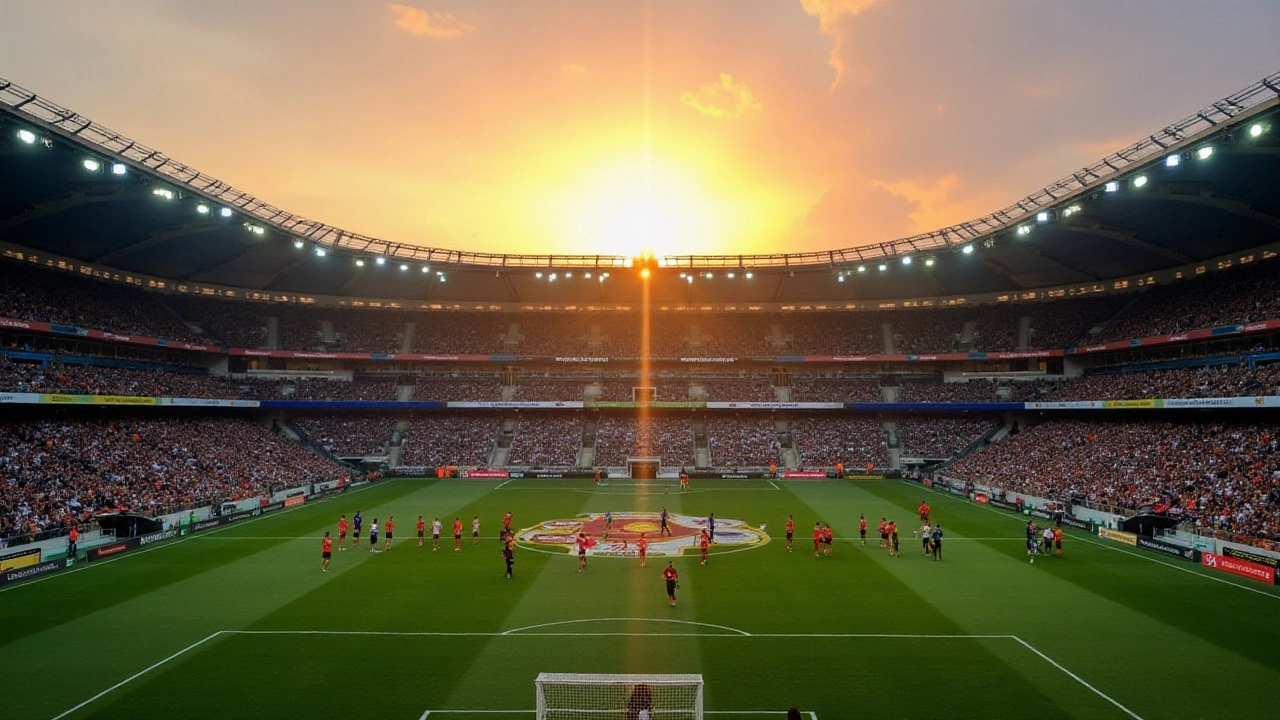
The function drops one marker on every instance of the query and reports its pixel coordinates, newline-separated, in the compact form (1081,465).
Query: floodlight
(840,278)
(297,244)
(442,277)
(257,230)
(404,267)
(1172,160)
(1140,181)
(928,262)
(689,278)
(587,276)
(706,275)
(1205,152)
(568,274)
(538,275)
(601,278)
(731,275)
(202,209)
(1255,129)
(381,260)
(906,260)
(119,168)
(225,212)
(91,165)
(883,267)
(862,268)
(165,193)
(1024,229)
(750,275)
(682,275)
(967,249)
(604,275)
(1042,217)
(359,262)
(426,269)
(1111,186)
(320,252)
(551,277)
(26,136)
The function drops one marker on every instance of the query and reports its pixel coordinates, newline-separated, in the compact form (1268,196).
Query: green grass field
(240,622)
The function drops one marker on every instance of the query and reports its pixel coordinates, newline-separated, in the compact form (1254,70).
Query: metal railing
(25,104)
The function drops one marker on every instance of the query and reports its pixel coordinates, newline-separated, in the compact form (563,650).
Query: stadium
(1078,395)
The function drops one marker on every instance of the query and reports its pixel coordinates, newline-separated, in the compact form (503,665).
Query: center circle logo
(683,532)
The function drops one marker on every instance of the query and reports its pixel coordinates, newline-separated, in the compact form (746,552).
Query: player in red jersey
(862,529)
(884,533)
(791,531)
(704,542)
(684,479)
(817,538)
(342,532)
(326,552)
(506,524)
(583,543)
(599,474)
(422,531)
(391,528)
(827,537)
(643,546)
(924,511)
(673,581)
(457,534)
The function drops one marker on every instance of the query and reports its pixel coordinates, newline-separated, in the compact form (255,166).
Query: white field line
(1112,546)
(775,485)
(504,482)
(139,674)
(623,619)
(1077,678)
(427,713)
(86,564)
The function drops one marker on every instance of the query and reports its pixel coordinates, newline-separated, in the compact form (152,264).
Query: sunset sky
(729,126)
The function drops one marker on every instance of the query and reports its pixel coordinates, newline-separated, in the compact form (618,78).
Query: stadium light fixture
(119,168)
(928,262)
(1172,160)
(906,260)
(1024,229)
(442,277)
(404,267)
(1042,217)
(538,275)
(1256,129)
(359,262)
(1111,186)
(297,244)
(381,260)
(568,274)
(1205,152)
(202,209)
(682,275)
(256,229)
(732,275)
(1140,181)
(320,252)
(551,277)
(27,136)
(604,275)
(967,249)
(587,276)
(225,212)
(601,278)
(426,269)
(750,275)
(862,268)
(91,165)
(883,267)
(165,193)
(840,277)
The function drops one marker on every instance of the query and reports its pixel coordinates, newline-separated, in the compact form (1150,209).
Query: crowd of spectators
(472,388)
(32,293)
(825,441)
(76,379)
(1229,380)
(971,391)
(547,440)
(668,437)
(745,389)
(464,440)
(1243,295)
(55,472)
(834,334)
(940,437)
(349,435)
(742,440)
(365,331)
(1220,476)
(928,331)
(230,323)
(539,388)
(363,389)
(464,333)
(834,389)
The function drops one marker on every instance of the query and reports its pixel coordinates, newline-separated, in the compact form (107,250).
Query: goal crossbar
(588,696)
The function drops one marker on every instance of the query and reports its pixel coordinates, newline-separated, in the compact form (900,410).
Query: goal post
(584,696)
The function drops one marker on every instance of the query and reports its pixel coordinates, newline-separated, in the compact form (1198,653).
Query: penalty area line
(1076,677)
(427,713)
(140,673)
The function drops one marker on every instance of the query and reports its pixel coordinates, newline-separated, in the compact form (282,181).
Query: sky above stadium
(720,126)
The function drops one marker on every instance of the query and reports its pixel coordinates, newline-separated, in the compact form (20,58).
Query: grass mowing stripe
(1077,678)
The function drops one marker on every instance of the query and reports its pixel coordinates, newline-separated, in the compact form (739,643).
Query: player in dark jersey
(509,556)
(711,526)
(664,530)
(672,579)
(1031,539)
(357,522)
(937,542)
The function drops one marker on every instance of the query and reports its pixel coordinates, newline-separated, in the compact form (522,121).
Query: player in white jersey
(475,530)
(435,534)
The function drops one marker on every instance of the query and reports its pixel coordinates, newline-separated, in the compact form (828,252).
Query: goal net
(582,696)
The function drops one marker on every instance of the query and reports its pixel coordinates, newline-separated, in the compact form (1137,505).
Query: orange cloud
(573,69)
(829,14)
(726,98)
(417,21)
(938,204)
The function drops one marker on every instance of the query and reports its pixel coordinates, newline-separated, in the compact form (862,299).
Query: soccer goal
(582,696)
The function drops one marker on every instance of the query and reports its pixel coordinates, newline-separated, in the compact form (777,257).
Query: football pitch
(240,622)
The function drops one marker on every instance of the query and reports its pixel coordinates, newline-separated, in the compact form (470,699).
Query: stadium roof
(1201,188)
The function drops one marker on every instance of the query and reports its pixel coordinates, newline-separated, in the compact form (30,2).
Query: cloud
(417,21)
(829,14)
(573,69)
(723,99)
(937,204)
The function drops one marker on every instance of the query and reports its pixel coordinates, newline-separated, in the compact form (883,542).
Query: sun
(636,207)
